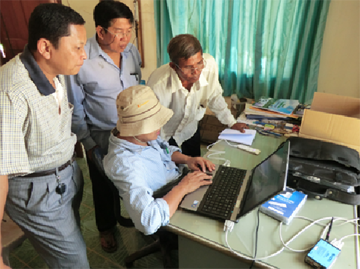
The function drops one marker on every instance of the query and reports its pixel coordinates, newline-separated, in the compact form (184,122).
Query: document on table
(236,136)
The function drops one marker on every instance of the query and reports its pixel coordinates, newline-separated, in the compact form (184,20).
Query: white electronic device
(249,149)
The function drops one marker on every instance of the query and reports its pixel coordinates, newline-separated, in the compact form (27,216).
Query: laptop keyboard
(220,198)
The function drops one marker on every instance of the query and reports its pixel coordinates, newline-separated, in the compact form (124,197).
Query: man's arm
(216,101)
(76,96)
(4,186)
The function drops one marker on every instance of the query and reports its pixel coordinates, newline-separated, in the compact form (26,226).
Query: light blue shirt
(94,89)
(137,171)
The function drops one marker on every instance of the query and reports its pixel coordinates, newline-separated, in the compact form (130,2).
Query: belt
(52,171)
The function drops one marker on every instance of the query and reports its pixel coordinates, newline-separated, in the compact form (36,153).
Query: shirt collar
(35,73)
(126,144)
(176,82)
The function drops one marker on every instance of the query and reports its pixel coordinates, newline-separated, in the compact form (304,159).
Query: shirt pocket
(200,111)
(131,79)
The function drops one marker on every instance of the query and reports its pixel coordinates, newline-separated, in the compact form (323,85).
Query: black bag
(322,169)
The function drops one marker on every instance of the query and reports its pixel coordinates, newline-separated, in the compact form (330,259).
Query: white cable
(346,236)
(212,152)
(356,230)
(304,229)
(233,251)
(215,158)
(213,144)
(231,145)
(314,222)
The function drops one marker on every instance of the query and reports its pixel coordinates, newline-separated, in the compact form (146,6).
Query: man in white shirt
(187,85)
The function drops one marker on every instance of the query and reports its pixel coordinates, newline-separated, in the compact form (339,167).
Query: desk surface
(242,239)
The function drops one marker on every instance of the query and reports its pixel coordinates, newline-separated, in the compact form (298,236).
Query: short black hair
(51,21)
(106,11)
(183,46)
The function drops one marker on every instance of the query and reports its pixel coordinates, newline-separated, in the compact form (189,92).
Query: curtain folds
(263,47)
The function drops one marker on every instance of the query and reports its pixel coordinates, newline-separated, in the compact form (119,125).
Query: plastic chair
(161,241)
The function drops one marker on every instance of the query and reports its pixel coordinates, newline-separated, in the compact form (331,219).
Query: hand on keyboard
(193,181)
(200,164)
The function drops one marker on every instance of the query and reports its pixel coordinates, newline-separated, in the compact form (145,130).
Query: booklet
(283,106)
(285,205)
(236,136)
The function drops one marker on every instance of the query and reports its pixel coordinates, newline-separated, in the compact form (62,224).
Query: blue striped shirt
(138,171)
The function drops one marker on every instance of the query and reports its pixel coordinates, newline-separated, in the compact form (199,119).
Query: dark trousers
(190,147)
(103,199)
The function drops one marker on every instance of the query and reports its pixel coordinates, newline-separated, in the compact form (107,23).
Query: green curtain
(263,47)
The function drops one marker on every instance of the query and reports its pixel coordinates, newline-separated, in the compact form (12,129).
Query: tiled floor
(129,241)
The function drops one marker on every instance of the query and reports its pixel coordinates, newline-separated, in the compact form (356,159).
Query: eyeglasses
(119,34)
(189,69)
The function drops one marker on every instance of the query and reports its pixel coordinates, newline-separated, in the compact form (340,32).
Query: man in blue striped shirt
(113,65)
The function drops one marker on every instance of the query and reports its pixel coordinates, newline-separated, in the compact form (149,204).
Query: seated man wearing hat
(140,163)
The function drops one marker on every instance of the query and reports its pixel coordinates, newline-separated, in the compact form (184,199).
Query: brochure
(236,136)
(283,106)
(285,205)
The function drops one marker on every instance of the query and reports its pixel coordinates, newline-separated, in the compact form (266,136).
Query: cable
(313,223)
(212,152)
(231,145)
(356,230)
(346,236)
(328,233)
(233,251)
(213,144)
(256,237)
(285,244)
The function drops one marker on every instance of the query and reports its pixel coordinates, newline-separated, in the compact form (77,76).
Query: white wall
(340,59)
(86,7)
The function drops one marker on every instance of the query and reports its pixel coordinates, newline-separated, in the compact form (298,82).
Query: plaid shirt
(33,135)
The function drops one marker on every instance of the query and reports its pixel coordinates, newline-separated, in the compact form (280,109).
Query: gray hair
(183,46)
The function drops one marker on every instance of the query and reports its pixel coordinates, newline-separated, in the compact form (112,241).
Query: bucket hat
(140,112)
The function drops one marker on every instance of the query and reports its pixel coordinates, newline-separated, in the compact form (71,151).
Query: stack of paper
(236,136)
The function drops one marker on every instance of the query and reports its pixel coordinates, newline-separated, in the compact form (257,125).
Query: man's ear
(172,65)
(100,32)
(44,47)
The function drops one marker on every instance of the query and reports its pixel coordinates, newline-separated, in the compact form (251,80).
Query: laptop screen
(267,180)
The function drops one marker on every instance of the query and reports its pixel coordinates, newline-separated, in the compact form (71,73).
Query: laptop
(235,192)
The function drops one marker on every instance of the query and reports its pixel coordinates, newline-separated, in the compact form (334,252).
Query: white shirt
(189,106)
(59,91)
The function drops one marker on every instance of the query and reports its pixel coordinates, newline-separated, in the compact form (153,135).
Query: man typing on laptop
(140,163)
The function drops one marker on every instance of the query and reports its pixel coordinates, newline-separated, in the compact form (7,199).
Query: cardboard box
(333,118)
(210,126)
